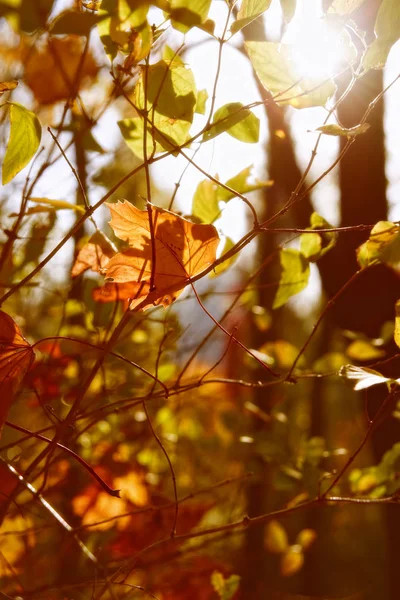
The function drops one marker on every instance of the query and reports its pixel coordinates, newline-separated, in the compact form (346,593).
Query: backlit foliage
(128,362)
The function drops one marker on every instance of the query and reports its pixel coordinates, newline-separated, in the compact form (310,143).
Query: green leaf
(336,130)
(383,246)
(280,354)
(274,66)
(315,245)
(90,143)
(288,9)
(249,11)
(186,14)
(133,11)
(202,97)
(329,362)
(171,99)
(295,271)
(75,22)
(170,55)
(24,140)
(225,588)
(208,26)
(118,20)
(224,266)
(133,131)
(240,184)
(345,7)
(236,120)
(205,202)
(363,350)
(387,31)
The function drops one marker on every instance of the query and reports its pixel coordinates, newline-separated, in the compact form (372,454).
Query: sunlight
(320,50)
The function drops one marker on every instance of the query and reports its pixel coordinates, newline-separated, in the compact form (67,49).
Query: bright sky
(226,156)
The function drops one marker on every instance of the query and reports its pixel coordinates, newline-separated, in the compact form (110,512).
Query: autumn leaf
(101,512)
(14,549)
(182,250)
(16,356)
(94,255)
(51,70)
(7,86)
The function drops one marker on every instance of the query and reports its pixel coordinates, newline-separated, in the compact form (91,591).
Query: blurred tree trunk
(365,307)
(259,573)
(369,303)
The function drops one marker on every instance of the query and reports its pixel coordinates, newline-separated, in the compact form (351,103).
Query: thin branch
(85,465)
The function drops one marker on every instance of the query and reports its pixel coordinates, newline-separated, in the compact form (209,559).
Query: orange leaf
(101,512)
(93,255)
(51,69)
(182,250)
(16,356)
(7,86)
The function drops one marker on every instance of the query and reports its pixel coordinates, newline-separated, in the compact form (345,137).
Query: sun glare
(319,50)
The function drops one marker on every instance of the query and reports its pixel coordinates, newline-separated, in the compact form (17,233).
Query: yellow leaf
(58,204)
(24,140)
(275,538)
(306,538)
(292,561)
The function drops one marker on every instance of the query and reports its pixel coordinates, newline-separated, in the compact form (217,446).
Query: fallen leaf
(182,250)
(94,255)
(16,357)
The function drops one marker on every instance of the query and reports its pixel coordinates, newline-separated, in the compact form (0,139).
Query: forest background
(200,318)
